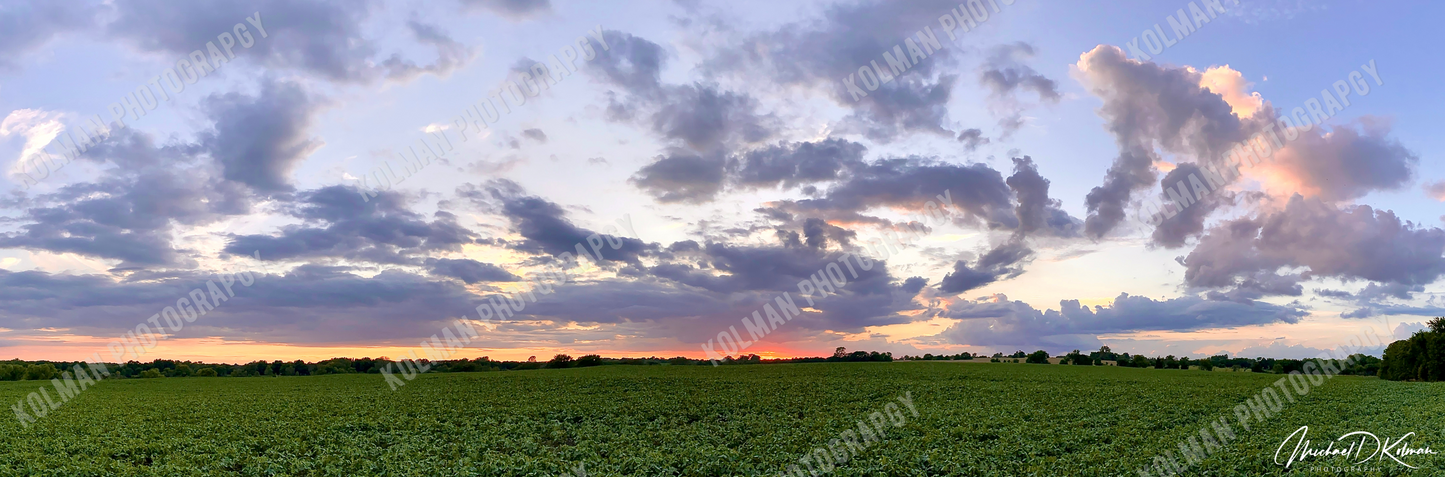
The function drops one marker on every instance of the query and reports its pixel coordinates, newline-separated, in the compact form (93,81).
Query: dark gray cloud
(1037,213)
(795,164)
(700,116)
(998,322)
(511,9)
(535,135)
(320,37)
(1172,232)
(259,140)
(1148,106)
(682,176)
(972,139)
(1005,75)
(339,224)
(1353,242)
(977,189)
(818,53)
(547,231)
(470,271)
(1001,263)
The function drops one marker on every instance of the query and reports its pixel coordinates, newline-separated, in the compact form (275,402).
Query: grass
(693,420)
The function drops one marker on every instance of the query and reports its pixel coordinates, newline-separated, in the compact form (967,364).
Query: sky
(351,177)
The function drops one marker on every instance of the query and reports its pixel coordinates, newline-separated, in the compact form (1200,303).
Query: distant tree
(1098,362)
(302,369)
(1019,354)
(1038,357)
(589,360)
(1207,365)
(531,359)
(1183,362)
(183,370)
(560,361)
(1141,361)
(206,372)
(1278,368)
(151,373)
(998,355)
(840,353)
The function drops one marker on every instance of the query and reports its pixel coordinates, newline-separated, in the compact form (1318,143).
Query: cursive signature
(1350,448)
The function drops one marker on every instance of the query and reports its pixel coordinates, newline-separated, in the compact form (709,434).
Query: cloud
(322,37)
(700,116)
(535,135)
(451,55)
(309,305)
(972,139)
(1173,232)
(1005,75)
(515,10)
(1436,190)
(132,212)
(977,189)
(1001,263)
(339,224)
(547,231)
(795,164)
(998,322)
(1345,164)
(818,53)
(1036,212)
(1360,243)
(682,176)
(259,140)
(1148,107)
(470,271)
(26,26)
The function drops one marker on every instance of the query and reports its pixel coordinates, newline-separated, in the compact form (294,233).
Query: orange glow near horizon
(217,350)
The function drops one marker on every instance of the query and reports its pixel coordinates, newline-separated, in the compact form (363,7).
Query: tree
(151,373)
(1038,357)
(589,360)
(840,353)
(1206,365)
(560,361)
(1141,361)
(302,369)
(1437,324)
(206,372)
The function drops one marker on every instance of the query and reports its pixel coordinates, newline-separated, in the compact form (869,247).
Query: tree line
(1419,358)
(17,370)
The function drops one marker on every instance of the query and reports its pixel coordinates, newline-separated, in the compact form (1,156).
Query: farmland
(974,419)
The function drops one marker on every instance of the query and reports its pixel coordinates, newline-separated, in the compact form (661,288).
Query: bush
(206,373)
(150,373)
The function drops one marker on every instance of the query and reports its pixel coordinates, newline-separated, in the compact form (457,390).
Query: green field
(975,419)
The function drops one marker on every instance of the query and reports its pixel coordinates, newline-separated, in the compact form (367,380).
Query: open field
(693,420)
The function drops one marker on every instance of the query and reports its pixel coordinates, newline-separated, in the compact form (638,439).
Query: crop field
(973,419)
